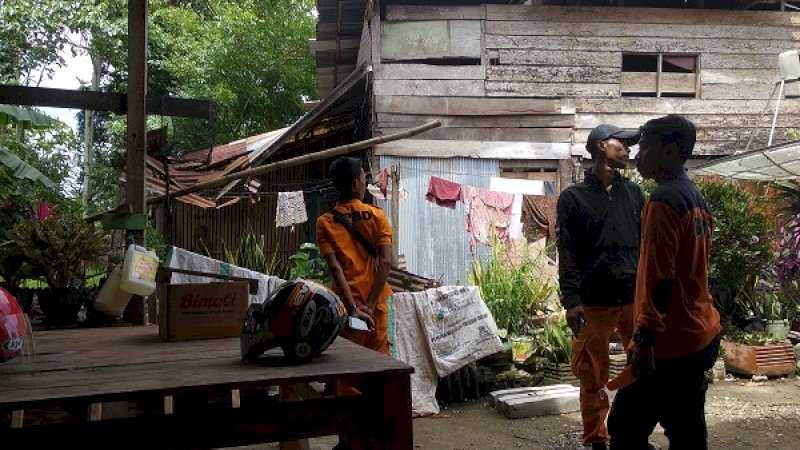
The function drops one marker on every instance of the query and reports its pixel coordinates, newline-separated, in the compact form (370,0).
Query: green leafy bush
(306,263)
(740,248)
(513,291)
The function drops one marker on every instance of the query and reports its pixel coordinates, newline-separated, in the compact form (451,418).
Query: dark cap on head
(606,131)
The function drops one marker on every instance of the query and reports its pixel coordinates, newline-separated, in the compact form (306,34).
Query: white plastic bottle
(111,299)
(139,271)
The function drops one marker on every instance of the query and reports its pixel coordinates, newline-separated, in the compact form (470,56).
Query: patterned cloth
(486,208)
(291,209)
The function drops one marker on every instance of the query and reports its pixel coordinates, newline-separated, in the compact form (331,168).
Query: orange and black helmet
(301,317)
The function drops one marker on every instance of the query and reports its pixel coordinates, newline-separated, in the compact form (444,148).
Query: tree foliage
(250,57)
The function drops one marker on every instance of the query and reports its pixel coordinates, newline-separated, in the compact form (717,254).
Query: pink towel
(443,192)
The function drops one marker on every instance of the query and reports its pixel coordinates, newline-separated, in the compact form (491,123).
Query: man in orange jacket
(598,251)
(356,241)
(678,329)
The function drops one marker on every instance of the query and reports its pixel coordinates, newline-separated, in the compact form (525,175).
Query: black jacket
(598,242)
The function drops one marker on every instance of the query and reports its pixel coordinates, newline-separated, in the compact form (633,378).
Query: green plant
(554,342)
(306,263)
(755,338)
(513,291)
(59,250)
(251,254)
(740,248)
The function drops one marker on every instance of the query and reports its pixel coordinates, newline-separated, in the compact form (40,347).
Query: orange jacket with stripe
(672,300)
(360,268)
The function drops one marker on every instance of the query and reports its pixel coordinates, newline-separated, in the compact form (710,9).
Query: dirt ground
(741,415)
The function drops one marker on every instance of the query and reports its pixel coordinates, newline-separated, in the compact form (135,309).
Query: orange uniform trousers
(377,339)
(590,363)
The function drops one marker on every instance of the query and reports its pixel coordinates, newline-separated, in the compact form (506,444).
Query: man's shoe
(599,446)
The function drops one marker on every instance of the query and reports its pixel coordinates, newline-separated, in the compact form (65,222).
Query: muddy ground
(741,415)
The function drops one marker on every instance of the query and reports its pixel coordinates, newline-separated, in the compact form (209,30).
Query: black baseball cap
(606,131)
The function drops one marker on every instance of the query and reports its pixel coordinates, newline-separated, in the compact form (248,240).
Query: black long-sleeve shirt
(598,241)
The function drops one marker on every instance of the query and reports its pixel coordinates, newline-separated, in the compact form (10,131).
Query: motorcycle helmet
(13,327)
(301,317)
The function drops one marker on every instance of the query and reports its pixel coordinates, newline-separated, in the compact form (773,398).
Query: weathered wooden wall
(548,74)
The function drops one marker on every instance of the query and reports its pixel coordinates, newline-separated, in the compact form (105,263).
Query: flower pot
(521,348)
(779,329)
(560,373)
(770,360)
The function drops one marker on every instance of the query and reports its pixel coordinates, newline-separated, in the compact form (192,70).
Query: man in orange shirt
(356,241)
(677,327)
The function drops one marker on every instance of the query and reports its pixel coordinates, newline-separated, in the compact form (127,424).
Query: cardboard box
(202,310)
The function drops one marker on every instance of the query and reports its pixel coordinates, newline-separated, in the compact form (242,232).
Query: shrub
(513,291)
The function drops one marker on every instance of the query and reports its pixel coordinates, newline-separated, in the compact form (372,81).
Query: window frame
(659,85)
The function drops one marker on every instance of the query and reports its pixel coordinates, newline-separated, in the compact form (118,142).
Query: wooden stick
(272,167)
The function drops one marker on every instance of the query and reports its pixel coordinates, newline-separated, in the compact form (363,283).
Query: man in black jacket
(598,249)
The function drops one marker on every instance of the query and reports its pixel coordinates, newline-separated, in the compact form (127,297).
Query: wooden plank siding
(737,58)
(551,73)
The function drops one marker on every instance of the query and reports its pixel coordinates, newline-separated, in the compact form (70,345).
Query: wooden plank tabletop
(103,364)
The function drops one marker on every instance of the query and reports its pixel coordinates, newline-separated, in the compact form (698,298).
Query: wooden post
(136,135)
(395,174)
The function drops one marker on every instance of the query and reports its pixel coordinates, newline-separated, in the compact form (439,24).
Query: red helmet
(301,317)
(13,327)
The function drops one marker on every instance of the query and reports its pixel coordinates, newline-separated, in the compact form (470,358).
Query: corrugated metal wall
(434,239)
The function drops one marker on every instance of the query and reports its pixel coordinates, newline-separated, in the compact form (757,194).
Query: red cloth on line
(443,192)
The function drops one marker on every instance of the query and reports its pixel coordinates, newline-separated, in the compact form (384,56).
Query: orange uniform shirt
(672,296)
(360,268)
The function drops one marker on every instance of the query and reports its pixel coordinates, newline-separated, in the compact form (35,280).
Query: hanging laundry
(443,192)
(252,185)
(484,209)
(383,181)
(539,217)
(291,209)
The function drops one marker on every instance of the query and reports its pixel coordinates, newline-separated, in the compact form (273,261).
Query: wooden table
(122,387)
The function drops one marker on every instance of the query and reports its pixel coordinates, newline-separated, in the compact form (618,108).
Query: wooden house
(519,85)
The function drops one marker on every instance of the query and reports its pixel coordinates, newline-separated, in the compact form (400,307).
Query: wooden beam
(135,164)
(291,162)
(102,101)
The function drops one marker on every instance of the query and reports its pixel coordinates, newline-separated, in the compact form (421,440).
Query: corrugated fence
(434,239)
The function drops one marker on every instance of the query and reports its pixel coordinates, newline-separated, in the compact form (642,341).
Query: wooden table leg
(386,422)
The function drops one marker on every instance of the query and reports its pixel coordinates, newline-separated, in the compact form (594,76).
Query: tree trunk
(88,139)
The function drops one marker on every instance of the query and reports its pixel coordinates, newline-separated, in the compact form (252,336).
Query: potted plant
(757,353)
(553,351)
(59,250)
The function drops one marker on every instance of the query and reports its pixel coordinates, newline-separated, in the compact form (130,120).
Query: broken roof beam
(297,160)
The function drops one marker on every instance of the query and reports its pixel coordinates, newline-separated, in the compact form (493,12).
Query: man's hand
(642,360)
(575,318)
(365,314)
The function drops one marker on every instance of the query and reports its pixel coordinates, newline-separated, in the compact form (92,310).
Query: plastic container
(111,299)
(139,271)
